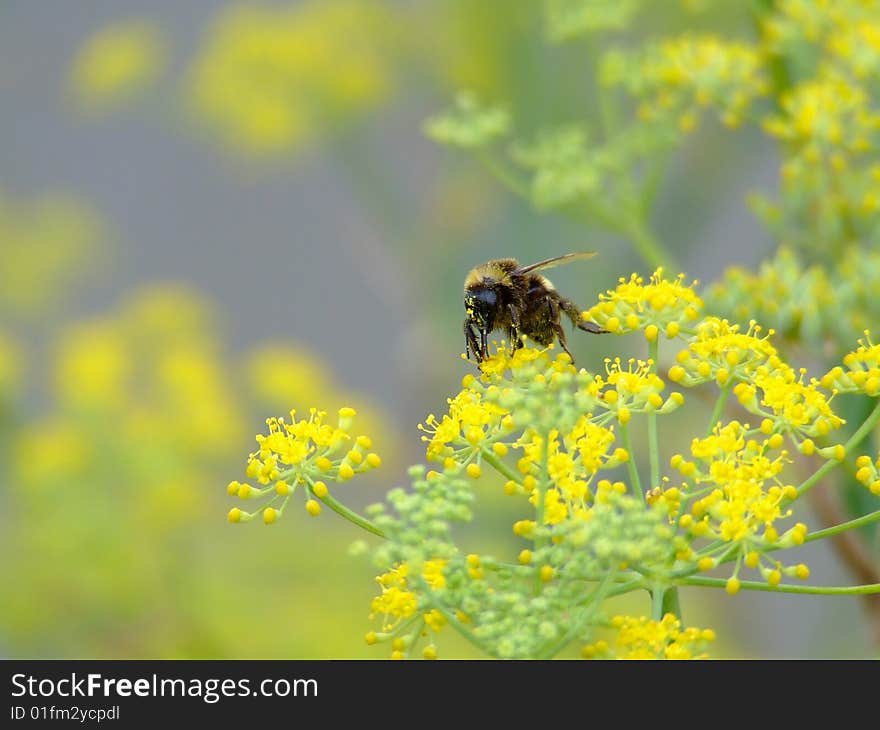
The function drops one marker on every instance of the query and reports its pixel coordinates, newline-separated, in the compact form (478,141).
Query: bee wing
(555,261)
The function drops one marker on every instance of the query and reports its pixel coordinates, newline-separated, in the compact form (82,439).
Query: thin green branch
(506,177)
(592,601)
(648,246)
(500,466)
(749,585)
(854,440)
(653,441)
(844,526)
(633,470)
(719,406)
(351,515)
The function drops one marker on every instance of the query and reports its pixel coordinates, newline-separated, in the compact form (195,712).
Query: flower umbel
(303,452)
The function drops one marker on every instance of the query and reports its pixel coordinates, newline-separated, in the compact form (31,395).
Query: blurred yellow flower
(117,62)
(93,366)
(828,113)
(46,243)
(272,78)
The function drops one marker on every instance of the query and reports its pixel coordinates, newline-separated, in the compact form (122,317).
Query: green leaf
(568,19)
(470,124)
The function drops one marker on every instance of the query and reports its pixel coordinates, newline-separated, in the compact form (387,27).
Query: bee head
(480,305)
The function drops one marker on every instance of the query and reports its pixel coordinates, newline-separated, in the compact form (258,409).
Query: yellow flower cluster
(857,45)
(868,473)
(722,353)
(761,381)
(397,603)
(643,638)
(862,373)
(471,424)
(271,78)
(302,452)
(845,29)
(678,76)
(660,305)
(52,240)
(141,389)
(636,389)
(731,470)
(828,114)
(118,61)
(737,497)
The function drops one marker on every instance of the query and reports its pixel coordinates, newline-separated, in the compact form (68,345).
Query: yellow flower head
(823,114)
(643,638)
(861,371)
(635,305)
(318,63)
(117,62)
(722,353)
(678,76)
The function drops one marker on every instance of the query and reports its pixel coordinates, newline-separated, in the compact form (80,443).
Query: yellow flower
(862,374)
(679,75)
(643,638)
(317,62)
(722,353)
(831,112)
(796,406)
(307,450)
(117,62)
(471,421)
(432,571)
(857,46)
(636,305)
(868,473)
(395,602)
(53,240)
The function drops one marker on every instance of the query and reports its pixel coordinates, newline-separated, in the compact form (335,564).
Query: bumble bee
(501,294)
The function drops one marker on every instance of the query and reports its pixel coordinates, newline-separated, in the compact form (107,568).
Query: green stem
(540,535)
(844,526)
(505,176)
(719,406)
(459,626)
(351,516)
(653,441)
(671,603)
(648,246)
(628,587)
(633,470)
(500,466)
(750,585)
(658,596)
(854,440)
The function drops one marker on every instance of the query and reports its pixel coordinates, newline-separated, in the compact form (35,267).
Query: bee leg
(471,344)
(513,332)
(553,306)
(571,310)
